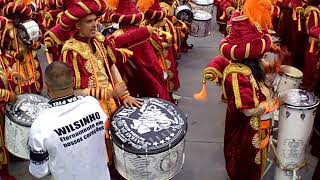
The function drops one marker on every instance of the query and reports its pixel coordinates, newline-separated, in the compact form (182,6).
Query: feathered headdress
(259,12)
(143,5)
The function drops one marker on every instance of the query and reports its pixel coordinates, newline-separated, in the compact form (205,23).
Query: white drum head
(200,15)
(291,71)
(203,2)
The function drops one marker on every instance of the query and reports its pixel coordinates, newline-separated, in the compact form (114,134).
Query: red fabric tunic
(142,71)
(244,158)
(310,59)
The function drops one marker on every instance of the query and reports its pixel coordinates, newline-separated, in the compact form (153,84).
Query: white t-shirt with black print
(68,140)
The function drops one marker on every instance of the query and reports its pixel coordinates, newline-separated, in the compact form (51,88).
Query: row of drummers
(292,22)
(151,37)
(247,27)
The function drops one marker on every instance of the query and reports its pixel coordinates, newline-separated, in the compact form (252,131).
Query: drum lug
(287,114)
(303,116)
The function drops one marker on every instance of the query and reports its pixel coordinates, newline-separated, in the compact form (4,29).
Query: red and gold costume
(5,94)
(143,65)
(26,62)
(291,31)
(155,16)
(246,134)
(312,14)
(315,87)
(182,28)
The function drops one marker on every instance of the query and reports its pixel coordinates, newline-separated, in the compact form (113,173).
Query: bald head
(58,76)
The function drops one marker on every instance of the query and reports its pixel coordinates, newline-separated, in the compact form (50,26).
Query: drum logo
(152,119)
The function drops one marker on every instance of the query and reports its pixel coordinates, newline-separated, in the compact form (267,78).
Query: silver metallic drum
(295,126)
(19,117)
(29,31)
(204,5)
(201,24)
(149,142)
(184,13)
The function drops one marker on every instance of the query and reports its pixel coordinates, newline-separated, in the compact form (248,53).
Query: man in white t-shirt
(68,140)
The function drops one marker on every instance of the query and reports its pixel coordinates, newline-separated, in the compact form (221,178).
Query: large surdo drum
(201,24)
(149,142)
(295,126)
(204,5)
(29,31)
(19,117)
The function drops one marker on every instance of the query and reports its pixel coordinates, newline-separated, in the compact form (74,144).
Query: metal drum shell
(18,121)
(201,26)
(204,5)
(163,156)
(295,127)
(32,30)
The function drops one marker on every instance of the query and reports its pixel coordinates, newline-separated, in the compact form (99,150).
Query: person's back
(68,140)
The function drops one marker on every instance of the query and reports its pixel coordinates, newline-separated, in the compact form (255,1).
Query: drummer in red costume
(312,14)
(23,52)
(156,17)
(6,95)
(246,135)
(315,87)
(141,71)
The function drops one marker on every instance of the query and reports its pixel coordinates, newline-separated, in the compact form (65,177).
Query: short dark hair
(58,76)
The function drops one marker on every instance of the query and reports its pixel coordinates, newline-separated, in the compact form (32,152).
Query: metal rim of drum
(202,4)
(118,143)
(290,75)
(178,10)
(299,107)
(191,14)
(194,17)
(13,118)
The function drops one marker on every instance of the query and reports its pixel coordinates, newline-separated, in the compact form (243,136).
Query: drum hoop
(116,140)
(202,4)
(151,152)
(301,107)
(202,20)
(294,77)
(12,118)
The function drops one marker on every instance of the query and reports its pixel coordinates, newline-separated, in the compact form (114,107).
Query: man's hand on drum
(132,102)
(121,91)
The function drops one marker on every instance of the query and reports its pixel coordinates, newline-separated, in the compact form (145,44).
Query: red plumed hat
(125,12)
(245,41)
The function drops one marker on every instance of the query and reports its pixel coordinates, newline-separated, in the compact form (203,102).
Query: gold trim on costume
(84,7)
(254,122)
(99,4)
(256,141)
(221,48)
(70,16)
(236,90)
(232,51)
(257,158)
(133,19)
(76,70)
(153,14)
(248,45)
(213,70)
(263,45)
(120,19)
